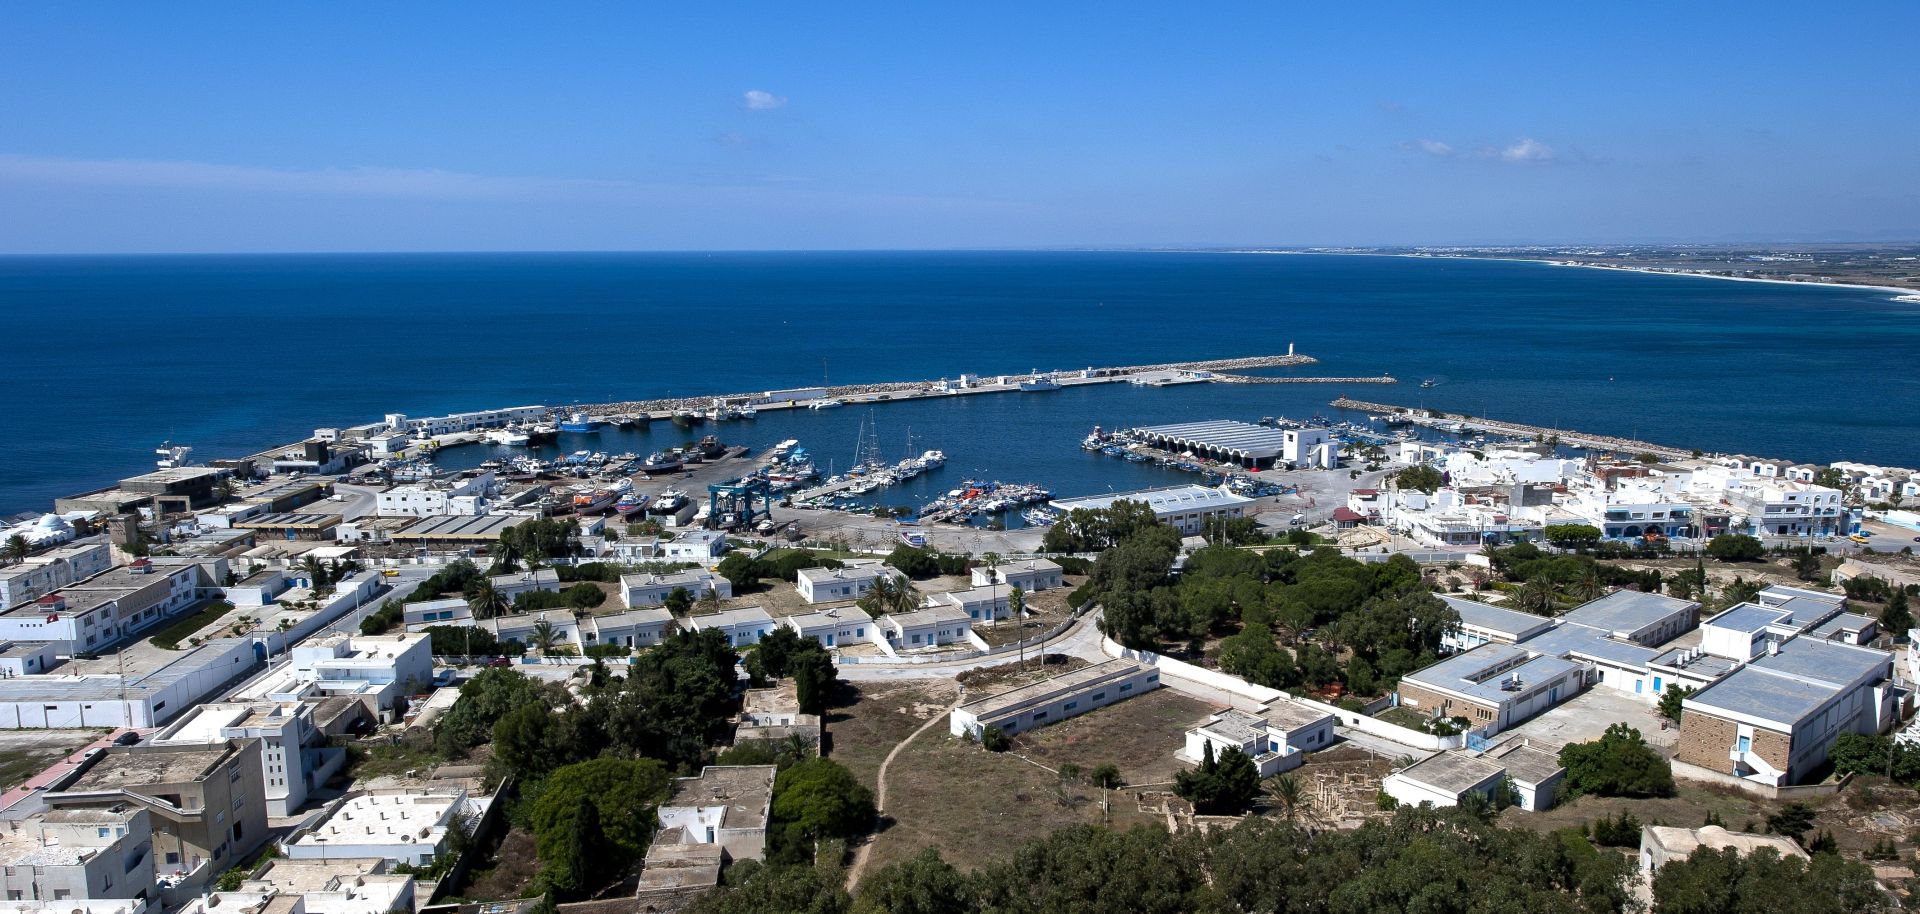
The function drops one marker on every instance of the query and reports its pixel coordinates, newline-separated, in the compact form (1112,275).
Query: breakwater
(1571,438)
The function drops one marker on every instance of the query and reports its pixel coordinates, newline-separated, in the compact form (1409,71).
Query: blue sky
(576,126)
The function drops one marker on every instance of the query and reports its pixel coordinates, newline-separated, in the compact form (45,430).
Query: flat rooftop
(1750,618)
(135,767)
(461,527)
(745,615)
(1478,673)
(1627,611)
(830,618)
(386,818)
(1249,441)
(1452,772)
(1582,641)
(1510,622)
(1527,764)
(1075,680)
(746,791)
(1287,715)
(1168,500)
(1789,686)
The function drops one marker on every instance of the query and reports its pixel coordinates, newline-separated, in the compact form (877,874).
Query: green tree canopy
(619,796)
(817,799)
(1618,764)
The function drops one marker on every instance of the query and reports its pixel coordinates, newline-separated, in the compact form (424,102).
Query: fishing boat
(541,433)
(1429,382)
(1040,517)
(711,448)
(662,462)
(508,437)
(630,504)
(580,422)
(597,501)
(913,538)
(670,502)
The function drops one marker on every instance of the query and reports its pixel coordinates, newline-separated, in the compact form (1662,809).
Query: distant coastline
(1899,294)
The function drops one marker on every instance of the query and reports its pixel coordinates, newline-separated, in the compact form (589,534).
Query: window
(104,832)
(1126,687)
(1746,744)
(1039,715)
(1072,704)
(1656,684)
(1097,696)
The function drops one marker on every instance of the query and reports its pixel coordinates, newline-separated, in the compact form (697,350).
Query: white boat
(508,437)
(933,459)
(827,403)
(1039,382)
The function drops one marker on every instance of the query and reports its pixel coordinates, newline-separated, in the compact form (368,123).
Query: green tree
(814,800)
(18,548)
(623,794)
(1670,701)
(1223,786)
(486,601)
(679,600)
(741,571)
(545,636)
(1727,882)
(814,678)
(484,699)
(756,889)
(1573,536)
(1792,820)
(1421,478)
(1806,567)
(1253,655)
(1895,618)
(769,659)
(1618,764)
(924,884)
(918,564)
(1735,547)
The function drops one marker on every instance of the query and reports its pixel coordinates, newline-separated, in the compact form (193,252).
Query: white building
(292,761)
(63,855)
(101,611)
(39,575)
(519,582)
(743,626)
(830,585)
(404,826)
(448,611)
(981,604)
(1482,623)
(1029,575)
(149,695)
(1052,700)
(1277,737)
(923,628)
(638,590)
(1444,778)
(1185,508)
(437,498)
(635,628)
(842,626)
(378,669)
(727,805)
(465,422)
(703,546)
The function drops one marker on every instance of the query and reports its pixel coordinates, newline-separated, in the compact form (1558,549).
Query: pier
(1571,438)
(1160,375)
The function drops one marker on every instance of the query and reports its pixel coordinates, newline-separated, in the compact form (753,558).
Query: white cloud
(762,100)
(1526,149)
(1435,148)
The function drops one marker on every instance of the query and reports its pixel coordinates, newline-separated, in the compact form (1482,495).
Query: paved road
(356,500)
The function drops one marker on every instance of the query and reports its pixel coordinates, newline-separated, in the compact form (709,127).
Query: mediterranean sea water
(106,357)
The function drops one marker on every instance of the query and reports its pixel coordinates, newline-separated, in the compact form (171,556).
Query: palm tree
(1536,596)
(545,636)
(1588,587)
(710,601)
(1287,790)
(487,601)
(18,548)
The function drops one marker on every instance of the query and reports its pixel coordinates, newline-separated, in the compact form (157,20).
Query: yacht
(827,403)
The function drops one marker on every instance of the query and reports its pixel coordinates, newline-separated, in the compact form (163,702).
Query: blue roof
(1493,618)
(1581,641)
(1627,610)
(1793,684)
(1467,673)
(1749,618)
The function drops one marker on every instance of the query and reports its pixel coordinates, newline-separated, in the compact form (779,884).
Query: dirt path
(865,850)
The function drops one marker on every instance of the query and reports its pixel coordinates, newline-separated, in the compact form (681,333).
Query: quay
(1160,375)
(1571,438)
(1258,379)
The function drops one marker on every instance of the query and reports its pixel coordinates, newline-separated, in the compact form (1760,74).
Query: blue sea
(109,356)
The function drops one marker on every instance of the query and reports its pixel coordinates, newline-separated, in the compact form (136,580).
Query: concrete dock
(1570,438)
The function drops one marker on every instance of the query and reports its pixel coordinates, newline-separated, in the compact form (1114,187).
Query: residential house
(207,803)
(850,582)
(1277,737)
(640,590)
(743,626)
